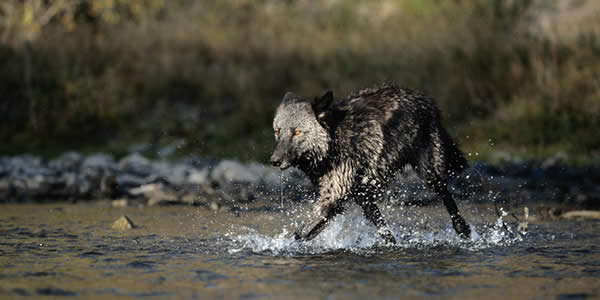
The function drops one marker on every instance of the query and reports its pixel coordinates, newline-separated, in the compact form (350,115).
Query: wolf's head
(300,132)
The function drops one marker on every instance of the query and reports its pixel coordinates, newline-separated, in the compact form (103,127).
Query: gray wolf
(351,148)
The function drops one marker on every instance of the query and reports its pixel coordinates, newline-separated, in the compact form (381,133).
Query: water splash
(281,189)
(352,232)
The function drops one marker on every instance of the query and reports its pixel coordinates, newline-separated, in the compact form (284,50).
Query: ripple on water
(207,275)
(141,264)
(90,254)
(49,291)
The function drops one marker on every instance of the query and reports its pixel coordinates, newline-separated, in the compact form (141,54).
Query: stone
(37,184)
(108,186)
(558,159)
(28,165)
(136,164)
(268,176)
(5,167)
(123,223)
(5,188)
(231,171)
(156,193)
(85,187)
(99,161)
(196,176)
(581,214)
(127,181)
(69,179)
(67,162)
(120,203)
(191,199)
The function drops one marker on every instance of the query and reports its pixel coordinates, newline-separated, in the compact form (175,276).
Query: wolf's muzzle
(275,163)
(279,162)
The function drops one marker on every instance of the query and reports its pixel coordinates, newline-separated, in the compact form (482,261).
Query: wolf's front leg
(324,212)
(333,189)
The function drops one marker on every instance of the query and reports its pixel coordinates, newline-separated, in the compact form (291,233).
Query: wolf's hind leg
(458,222)
(435,178)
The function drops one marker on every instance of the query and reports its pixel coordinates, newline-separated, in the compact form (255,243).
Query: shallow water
(187,252)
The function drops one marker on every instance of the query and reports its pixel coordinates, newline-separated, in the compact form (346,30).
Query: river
(71,250)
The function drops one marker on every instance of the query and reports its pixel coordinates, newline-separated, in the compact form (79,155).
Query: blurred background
(171,78)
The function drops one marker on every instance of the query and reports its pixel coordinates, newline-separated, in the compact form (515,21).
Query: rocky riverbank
(223,184)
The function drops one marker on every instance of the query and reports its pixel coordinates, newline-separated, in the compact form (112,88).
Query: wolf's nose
(275,163)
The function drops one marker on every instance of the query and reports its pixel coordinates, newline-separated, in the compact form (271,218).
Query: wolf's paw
(297,236)
(389,239)
(461,227)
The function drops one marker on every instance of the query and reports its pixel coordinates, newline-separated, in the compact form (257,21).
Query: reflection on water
(184,252)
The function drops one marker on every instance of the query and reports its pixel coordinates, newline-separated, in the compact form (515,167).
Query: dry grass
(211,72)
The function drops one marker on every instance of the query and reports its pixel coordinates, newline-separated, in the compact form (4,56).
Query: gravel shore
(219,184)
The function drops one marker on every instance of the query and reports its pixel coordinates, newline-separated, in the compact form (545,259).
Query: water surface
(189,252)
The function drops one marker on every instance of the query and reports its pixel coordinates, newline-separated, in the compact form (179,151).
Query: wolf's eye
(298,132)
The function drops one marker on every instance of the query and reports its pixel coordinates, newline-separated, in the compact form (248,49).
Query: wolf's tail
(456,162)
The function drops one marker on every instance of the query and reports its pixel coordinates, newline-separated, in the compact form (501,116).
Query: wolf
(351,148)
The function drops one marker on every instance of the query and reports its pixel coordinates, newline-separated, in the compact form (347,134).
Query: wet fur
(351,148)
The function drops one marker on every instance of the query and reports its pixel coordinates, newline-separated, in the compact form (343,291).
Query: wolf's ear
(321,104)
(289,98)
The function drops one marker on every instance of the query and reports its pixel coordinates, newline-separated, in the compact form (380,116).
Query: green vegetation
(100,75)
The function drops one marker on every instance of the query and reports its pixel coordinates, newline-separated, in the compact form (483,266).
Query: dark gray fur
(351,148)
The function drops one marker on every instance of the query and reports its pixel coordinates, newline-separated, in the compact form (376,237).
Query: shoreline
(135,180)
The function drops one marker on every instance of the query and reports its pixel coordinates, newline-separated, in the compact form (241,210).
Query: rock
(581,214)
(67,162)
(557,160)
(208,190)
(181,174)
(159,201)
(199,162)
(120,203)
(136,164)
(99,161)
(36,185)
(231,171)
(69,179)
(196,176)
(127,181)
(123,223)
(85,187)
(191,199)
(550,213)
(4,166)
(28,165)
(156,193)
(108,186)
(163,167)
(5,188)
(269,177)
(213,206)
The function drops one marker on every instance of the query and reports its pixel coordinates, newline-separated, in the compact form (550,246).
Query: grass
(212,73)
